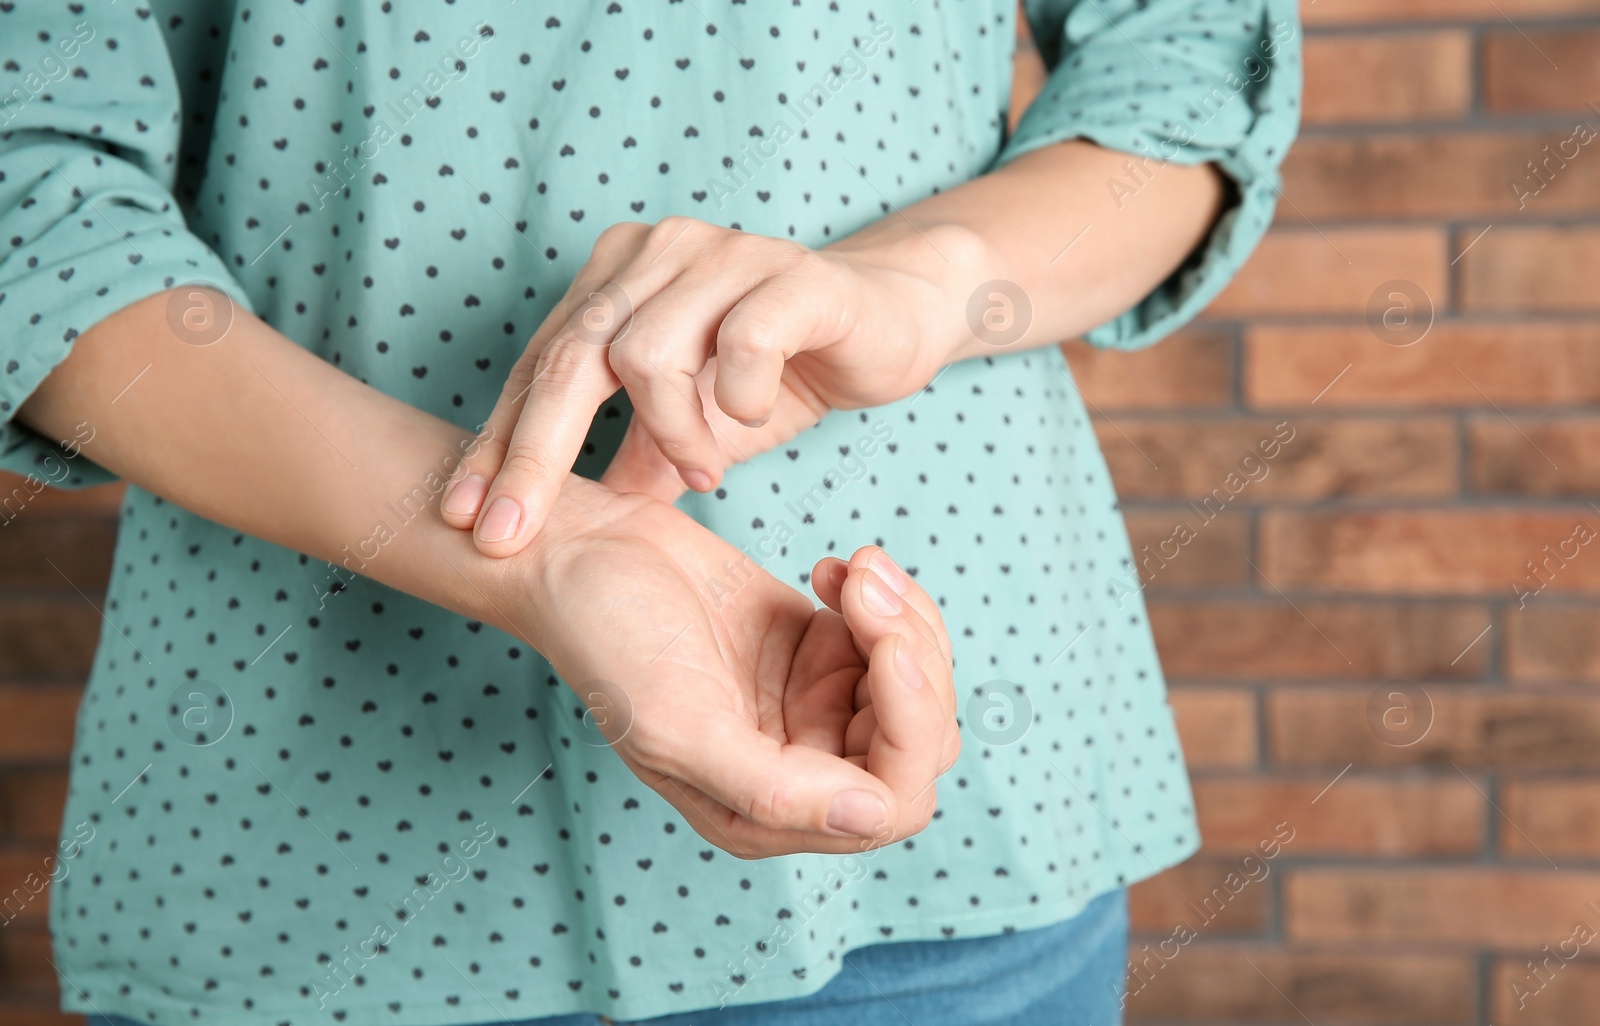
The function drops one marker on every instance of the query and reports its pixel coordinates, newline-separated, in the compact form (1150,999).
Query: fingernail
(892,575)
(699,480)
(906,664)
(861,813)
(752,423)
(501,520)
(880,601)
(465,496)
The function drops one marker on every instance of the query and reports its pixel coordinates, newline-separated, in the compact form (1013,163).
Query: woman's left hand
(727,343)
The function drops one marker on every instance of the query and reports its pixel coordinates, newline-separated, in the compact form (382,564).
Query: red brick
(1468,727)
(58,553)
(1466,907)
(1184,459)
(36,722)
(22,871)
(1215,557)
(105,499)
(30,804)
(37,1012)
(25,957)
(1549,643)
(1550,997)
(1189,369)
(1217,727)
(1236,639)
(49,639)
(1545,270)
(1297,270)
(1534,456)
(1360,815)
(1471,365)
(1355,12)
(1417,76)
(1560,818)
(1445,175)
(1234,985)
(1434,551)
(1518,77)
(1178,895)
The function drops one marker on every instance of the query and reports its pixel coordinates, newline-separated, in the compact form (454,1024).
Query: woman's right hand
(772,726)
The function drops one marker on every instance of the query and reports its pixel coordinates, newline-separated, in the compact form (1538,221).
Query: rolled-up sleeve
(89,131)
(1173,81)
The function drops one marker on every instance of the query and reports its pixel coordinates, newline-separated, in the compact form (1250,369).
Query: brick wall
(1356,588)
(55,556)
(1385,537)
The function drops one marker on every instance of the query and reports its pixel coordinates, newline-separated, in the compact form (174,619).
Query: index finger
(571,378)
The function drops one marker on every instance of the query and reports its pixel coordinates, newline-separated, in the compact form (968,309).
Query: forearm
(256,433)
(1048,223)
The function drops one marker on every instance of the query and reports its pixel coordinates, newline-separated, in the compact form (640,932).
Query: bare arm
(1051,224)
(1048,223)
(256,433)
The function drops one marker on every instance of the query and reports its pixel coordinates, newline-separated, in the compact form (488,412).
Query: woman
(343,754)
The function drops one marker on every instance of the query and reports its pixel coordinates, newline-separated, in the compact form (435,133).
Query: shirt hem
(481,1009)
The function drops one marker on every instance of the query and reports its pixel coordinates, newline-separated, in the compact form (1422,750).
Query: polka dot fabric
(399,816)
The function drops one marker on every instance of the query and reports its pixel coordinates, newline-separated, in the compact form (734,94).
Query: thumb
(639,466)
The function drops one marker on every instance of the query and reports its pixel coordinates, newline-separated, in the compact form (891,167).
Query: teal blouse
(298,796)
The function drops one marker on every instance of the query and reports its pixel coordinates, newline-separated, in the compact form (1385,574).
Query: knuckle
(677,231)
(599,313)
(749,333)
(523,373)
(619,236)
(562,363)
(635,362)
(771,804)
(804,264)
(784,302)
(527,462)
(670,227)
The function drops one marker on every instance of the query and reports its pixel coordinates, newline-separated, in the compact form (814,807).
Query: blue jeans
(1069,973)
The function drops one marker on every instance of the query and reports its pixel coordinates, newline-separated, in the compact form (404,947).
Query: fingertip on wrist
(464,496)
(510,526)
(501,521)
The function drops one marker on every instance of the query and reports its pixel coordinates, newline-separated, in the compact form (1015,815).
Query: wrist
(943,267)
(518,594)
